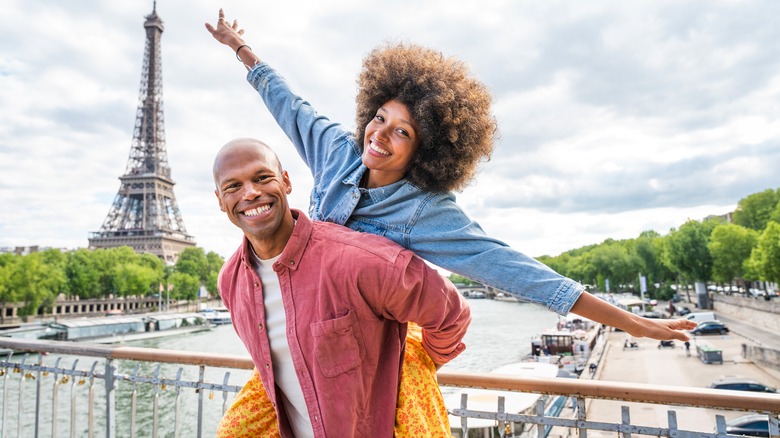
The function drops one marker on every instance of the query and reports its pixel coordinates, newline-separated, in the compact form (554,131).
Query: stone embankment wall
(757,312)
(761,313)
(765,357)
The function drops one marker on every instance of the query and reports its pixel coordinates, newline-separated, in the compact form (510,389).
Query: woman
(424,123)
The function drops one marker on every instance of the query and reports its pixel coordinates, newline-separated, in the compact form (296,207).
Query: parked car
(709,328)
(698,317)
(750,425)
(740,384)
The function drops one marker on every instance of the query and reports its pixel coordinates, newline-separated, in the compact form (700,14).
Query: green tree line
(739,252)
(37,279)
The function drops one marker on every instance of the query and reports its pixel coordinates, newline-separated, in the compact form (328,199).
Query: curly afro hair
(451,108)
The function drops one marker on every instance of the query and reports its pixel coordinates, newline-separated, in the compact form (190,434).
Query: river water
(500,333)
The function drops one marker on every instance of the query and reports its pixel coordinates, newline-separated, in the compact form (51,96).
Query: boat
(521,403)
(113,329)
(568,345)
(217,315)
(503,296)
(475,294)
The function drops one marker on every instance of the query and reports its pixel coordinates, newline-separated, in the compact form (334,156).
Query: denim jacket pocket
(338,344)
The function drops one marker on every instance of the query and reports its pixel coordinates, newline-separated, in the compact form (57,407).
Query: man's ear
(287,183)
(221,205)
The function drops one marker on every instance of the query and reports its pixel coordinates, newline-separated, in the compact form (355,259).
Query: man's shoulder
(226,272)
(346,240)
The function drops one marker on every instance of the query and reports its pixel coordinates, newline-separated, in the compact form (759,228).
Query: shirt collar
(293,251)
(376,194)
(353,179)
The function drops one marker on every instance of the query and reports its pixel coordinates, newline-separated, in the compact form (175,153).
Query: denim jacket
(430,224)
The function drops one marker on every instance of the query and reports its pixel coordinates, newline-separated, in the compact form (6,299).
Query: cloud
(612,117)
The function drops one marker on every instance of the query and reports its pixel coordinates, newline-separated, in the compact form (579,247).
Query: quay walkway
(649,364)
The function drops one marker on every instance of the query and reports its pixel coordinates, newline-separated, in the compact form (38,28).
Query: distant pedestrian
(672,310)
(687,348)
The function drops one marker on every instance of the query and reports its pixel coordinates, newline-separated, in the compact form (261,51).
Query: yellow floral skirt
(420,411)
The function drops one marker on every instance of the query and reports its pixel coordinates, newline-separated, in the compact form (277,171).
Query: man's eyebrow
(226,181)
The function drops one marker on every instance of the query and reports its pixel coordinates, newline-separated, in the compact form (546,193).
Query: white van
(698,317)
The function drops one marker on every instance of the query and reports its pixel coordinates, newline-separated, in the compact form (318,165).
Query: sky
(614,117)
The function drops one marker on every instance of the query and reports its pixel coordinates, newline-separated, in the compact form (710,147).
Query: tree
(193,261)
(211,283)
(215,261)
(131,279)
(459,279)
(185,286)
(686,252)
(766,256)
(754,211)
(82,274)
(35,283)
(105,261)
(612,261)
(730,246)
(648,250)
(7,293)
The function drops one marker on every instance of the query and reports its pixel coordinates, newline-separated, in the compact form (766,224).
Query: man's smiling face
(252,189)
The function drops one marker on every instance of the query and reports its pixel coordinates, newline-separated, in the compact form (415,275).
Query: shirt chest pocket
(338,344)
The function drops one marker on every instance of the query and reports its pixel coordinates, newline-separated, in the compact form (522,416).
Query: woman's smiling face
(389,144)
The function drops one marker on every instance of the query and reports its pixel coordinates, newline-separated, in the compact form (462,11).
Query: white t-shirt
(284,370)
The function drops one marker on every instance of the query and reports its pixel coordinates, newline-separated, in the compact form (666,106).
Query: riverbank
(671,366)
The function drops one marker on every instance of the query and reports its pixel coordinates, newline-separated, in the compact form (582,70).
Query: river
(500,333)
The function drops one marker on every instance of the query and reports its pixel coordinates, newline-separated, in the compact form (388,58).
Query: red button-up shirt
(347,297)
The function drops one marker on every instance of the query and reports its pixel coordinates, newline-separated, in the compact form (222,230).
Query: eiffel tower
(144,214)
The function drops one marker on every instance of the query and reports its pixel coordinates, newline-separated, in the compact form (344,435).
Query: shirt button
(292,262)
(256,284)
(260,326)
(267,366)
(355,194)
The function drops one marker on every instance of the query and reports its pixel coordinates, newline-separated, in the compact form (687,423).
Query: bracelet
(239,49)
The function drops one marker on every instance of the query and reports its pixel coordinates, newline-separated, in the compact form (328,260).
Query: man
(322,309)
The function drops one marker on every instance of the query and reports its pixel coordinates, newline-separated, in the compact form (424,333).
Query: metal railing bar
(625,419)
(621,391)
(55,397)
(110,386)
(72,402)
(176,405)
(20,409)
(6,376)
(155,404)
(201,378)
(134,403)
(131,353)
(38,383)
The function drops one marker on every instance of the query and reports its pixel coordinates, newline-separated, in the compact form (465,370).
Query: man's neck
(269,247)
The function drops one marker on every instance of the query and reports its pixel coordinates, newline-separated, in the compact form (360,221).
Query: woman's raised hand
(226,32)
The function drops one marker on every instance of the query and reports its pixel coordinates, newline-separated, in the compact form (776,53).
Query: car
(710,327)
(750,425)
(740,384)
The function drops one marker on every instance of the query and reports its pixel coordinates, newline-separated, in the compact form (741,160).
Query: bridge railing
(74,389)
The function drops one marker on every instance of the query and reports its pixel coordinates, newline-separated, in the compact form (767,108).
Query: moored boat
(217,315)
(113,329)
(569,344)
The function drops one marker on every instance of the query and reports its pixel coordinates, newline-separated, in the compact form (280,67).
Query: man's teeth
(378,149)
(258,210)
